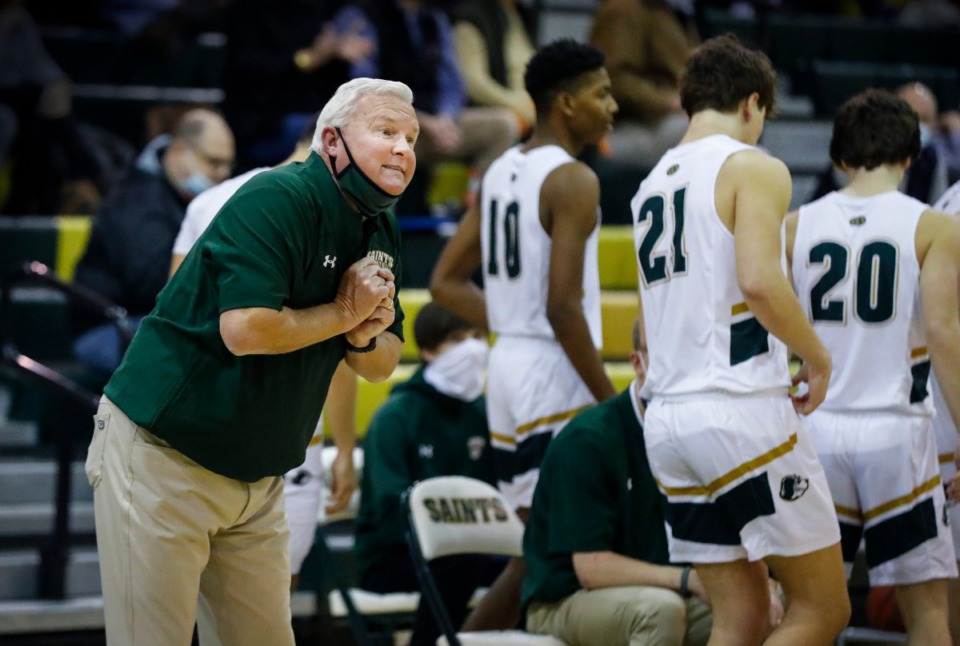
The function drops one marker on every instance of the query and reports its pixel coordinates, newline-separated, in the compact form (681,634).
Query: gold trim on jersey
(945,458)
(316,439)
(505,439)
(739,308)
(549,419)
(734,474)
(918,352)
(900,501)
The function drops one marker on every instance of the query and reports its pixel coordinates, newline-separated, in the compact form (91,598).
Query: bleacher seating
(822,61)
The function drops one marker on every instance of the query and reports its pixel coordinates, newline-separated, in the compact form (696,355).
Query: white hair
(342,105)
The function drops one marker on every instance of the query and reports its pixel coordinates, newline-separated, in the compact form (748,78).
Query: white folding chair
(457,515)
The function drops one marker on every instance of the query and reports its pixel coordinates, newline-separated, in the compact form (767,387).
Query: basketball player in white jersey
(947,436)
(302,486)
(534,230)
(743,485)
(876,272)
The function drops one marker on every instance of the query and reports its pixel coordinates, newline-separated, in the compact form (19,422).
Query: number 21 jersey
(700,333)
(856,272)
(516,249)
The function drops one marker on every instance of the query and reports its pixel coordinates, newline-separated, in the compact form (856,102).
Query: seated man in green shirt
(598,570)
(433,424)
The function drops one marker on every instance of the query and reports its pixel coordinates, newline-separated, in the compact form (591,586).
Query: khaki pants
(634,615)
(169,532)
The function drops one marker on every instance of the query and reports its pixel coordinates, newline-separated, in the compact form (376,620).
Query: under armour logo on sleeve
(329,261)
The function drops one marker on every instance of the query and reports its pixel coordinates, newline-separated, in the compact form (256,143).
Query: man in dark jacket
(128,257)
(433,424)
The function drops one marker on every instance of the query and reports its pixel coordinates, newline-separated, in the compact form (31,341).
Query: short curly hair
(722,72)
(874,128)
(557,67)
(435,324)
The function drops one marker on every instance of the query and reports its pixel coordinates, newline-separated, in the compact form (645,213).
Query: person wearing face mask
(221,389)
(128,254)
(433,424)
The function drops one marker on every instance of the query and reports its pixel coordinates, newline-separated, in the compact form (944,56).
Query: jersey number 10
(511,239)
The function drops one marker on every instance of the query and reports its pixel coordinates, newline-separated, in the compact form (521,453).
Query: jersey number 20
(511,240)
(654,267)
(874,287)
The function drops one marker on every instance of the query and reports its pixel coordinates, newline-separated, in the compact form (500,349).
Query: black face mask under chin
(369,198)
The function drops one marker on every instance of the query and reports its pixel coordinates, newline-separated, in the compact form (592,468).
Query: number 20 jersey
(516,249)
(856,272)
(701,335)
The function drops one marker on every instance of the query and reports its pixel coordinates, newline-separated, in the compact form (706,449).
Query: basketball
(882,610)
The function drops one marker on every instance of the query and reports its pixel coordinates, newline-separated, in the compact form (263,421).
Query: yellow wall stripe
(902,500)
(730,476)
(73,231)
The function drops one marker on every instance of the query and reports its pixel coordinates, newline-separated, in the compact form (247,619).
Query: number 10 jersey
(856,272)
(700,332)
(516,249)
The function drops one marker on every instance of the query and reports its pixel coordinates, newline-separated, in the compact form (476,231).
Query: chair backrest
(459,515)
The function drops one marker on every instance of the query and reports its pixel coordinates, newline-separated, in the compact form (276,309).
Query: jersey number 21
(654,266)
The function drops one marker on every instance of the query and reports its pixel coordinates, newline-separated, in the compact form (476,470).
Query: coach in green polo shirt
(598,568)
(221,389)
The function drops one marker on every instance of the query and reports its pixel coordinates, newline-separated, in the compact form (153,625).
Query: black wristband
(370,347)
(684,579)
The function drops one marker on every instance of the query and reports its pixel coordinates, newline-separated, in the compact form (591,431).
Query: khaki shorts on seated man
(595,544)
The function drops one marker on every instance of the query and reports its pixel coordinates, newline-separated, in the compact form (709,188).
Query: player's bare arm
(757,198)
(568,211)
(451,284)
(938,250)
(340,409)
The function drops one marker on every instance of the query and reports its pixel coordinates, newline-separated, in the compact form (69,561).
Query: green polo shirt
(595,494)
(285,239)
(417,433)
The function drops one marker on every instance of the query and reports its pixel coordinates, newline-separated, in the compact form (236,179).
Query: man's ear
(330,138)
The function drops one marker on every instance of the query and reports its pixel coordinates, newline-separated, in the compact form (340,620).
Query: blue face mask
(369,198)
(196,183)
(925,135)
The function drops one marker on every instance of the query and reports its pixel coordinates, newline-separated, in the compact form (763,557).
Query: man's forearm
(380,363)
(609,569)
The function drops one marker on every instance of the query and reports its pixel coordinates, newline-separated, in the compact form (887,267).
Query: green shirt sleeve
(386,467)
(257,243)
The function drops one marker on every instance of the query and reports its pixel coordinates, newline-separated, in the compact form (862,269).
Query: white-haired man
(221,389)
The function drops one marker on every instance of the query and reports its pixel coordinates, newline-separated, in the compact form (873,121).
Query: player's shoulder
(754,160)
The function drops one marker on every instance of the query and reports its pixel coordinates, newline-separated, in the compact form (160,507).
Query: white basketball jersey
(701,335)
(943,424)
(856,272)
(516,249)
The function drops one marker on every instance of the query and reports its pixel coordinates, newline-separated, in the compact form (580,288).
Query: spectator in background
(926,179)
(494,43)
(433,424)
(413,43)
(929,13)
(127,259)
(284,60)
(55,164)
(646,44)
